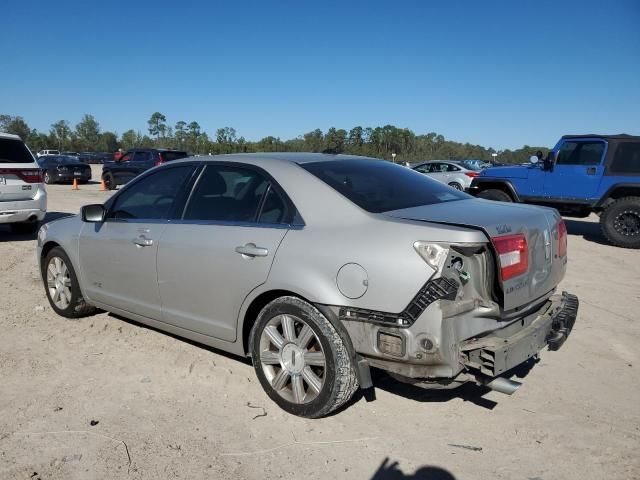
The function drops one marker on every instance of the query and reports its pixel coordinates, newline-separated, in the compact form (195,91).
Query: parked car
(136,161)
(451,172)
(23,198)
(64,168)
(475,165)
(317,266)
(42,153)
(583,174)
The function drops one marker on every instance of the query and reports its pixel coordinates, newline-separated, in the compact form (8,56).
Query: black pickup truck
(136,161)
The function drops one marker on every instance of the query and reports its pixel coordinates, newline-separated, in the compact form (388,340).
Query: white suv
(23,198)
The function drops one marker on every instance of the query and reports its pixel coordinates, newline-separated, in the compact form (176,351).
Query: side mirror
(534,159)
(93,213)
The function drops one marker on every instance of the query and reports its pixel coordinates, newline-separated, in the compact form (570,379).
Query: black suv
(136,161)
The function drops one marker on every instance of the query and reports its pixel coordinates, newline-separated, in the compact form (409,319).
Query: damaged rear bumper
(504,349)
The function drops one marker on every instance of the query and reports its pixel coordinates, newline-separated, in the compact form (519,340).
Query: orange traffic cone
(75,184)
(103,186)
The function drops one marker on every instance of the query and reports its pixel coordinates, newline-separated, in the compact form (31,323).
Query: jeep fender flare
(608,197)
(478,184)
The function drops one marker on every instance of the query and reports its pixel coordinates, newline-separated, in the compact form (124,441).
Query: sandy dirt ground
(104,397)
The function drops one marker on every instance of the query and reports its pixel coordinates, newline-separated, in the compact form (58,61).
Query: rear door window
(14,151)
(626,159)
(142,156)
(580,153)
(227,194)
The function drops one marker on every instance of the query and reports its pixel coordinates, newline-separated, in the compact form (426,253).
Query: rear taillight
(513,255)
(471,174)
(160,160)
(562,238)
(26,175)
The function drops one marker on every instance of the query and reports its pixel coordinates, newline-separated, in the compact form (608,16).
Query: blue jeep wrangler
(582,174)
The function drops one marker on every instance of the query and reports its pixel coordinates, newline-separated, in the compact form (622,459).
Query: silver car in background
(450,172)
(318,267)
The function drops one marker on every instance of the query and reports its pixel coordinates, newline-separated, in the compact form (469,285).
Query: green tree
(61,133)
(87,133)
(157,124)
(108,142)
(130,139)
(17,126)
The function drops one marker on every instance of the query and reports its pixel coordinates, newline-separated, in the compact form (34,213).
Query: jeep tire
(620,222)
(495,194)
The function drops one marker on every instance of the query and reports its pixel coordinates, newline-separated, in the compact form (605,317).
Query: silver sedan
(449,172)
(318,267)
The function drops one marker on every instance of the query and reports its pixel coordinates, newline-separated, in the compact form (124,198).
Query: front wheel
(495,194)
(47,178)
(300,359)
(620,222)
(61,284)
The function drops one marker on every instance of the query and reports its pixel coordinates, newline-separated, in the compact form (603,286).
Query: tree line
(380,142)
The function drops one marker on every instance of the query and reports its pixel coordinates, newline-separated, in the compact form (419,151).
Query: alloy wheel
(628,223)
(292,358)
(59,282)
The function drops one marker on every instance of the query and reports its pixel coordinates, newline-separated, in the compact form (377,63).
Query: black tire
(339,376)
(24,228)
(456,185)
(620,222)
(495,194)
(77,306)
(47,178)
(109,181)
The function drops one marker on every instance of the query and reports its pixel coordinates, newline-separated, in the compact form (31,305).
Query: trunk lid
(539,225)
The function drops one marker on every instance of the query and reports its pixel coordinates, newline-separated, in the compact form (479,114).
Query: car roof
(299,158)
(620,136)
(9,135)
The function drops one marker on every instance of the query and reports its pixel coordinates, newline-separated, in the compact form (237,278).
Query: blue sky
(500,74)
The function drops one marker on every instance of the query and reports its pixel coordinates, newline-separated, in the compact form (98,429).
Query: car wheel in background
(620,222)
(47,178)
(109,181)
(61,285)
(495,194)
(456,185)
(24,228)
(300,359)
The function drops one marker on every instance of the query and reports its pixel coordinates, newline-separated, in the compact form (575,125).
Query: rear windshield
(626,159)
(14,151)
(172,155)
(378,186)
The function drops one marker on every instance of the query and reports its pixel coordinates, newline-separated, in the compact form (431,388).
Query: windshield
(471,165)
(379,186)
(14,151)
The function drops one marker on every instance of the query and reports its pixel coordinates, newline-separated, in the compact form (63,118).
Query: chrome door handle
(250,250)
(142,241)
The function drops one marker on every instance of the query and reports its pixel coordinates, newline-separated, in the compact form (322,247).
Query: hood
(506,172)
(538,224)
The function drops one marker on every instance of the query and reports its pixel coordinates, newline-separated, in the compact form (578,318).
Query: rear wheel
(620,222)
(109,181)
(47,178)
(61,284)
(456,185)
(495,194)
(300,359)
